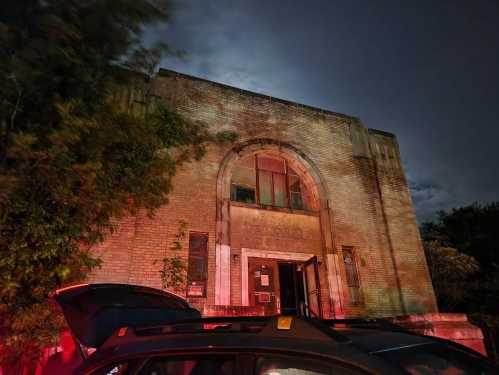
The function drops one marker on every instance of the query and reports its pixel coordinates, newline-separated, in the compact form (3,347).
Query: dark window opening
(352,276)
(242,194)
(197,269)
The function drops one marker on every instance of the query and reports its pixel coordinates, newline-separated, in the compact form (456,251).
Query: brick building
(308,212)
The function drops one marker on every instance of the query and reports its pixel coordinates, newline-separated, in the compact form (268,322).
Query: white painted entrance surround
(222,277)
(247,253)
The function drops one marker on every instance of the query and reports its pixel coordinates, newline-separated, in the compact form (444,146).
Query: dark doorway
(292,291)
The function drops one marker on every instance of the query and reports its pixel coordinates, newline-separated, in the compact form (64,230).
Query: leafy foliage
(451,272)
(462,248)
(173,271)
(471,229)
(70,159)
(35,327)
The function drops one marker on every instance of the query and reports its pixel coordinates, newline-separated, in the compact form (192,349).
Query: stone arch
(301,163)
(311,176)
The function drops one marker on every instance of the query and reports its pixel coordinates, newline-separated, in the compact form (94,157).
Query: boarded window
(198,265)
(352,276)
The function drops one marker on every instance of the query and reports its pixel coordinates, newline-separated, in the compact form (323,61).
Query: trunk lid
(95,311)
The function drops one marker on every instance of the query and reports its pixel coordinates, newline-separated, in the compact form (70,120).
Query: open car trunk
(95,311)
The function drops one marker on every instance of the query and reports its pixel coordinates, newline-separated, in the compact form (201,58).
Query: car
(144,331)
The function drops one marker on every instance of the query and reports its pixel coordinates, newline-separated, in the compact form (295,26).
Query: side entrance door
(263,284)
(312,288)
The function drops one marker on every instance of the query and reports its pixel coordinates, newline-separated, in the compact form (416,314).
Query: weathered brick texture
(363,194)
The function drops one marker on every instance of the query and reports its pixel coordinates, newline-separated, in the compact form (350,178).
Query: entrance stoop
(453,327)
(228,310)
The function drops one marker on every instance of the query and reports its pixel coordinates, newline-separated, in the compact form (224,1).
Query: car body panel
(374,340)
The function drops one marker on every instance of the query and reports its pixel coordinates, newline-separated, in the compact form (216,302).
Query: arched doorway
(274,232)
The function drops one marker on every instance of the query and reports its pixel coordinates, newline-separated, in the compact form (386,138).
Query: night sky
(427,71)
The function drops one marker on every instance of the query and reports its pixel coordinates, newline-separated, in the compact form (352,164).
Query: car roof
(251,334)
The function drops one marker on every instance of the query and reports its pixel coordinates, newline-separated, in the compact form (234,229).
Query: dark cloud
(425,70)
(429,198)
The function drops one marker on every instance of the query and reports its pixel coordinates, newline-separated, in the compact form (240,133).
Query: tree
(70,159)
(472,232)
(452,274)
(471,229)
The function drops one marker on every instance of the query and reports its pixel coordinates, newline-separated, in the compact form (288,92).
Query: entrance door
(312,288)
(263,286)
(291,287)
(300,289)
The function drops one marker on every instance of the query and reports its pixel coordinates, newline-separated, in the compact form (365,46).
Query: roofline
(168,72)
(381,132)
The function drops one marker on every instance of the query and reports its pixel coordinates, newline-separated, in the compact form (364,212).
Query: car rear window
(438,359)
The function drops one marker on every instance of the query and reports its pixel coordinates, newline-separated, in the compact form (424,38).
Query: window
(295,189)
(352,276)
(270,181)
(298,366)
(243,184)
(118,368)
(189,366)
(198,266)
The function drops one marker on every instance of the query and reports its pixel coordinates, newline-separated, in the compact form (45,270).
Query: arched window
(270,181)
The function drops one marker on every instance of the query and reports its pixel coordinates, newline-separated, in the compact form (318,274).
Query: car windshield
(437,359)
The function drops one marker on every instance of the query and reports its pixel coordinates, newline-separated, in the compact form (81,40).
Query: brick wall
(365,198)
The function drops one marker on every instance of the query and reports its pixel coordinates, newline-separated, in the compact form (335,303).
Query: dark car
(138,330)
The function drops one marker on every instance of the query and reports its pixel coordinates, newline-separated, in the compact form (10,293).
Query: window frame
(287,190)
(255,191)
(358,284)
(204,258)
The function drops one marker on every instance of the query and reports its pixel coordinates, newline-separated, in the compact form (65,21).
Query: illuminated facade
(307,213)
